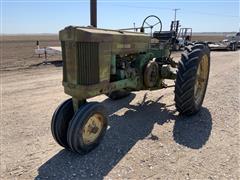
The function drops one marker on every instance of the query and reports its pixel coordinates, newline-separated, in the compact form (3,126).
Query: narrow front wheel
(60,121)
(87,128)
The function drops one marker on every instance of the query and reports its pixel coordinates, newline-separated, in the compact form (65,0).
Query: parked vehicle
(231,42)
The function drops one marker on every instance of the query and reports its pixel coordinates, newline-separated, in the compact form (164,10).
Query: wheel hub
(151,74)
(201,80)
(92,128)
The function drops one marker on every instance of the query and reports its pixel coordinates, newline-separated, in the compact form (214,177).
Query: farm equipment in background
(168,37)
(114,63)
(231,42)
(178,38)
(47,51)
(184,37)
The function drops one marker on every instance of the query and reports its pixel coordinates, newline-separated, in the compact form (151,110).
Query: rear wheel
(192,79)
(87,127)
(60,121)
(233,47)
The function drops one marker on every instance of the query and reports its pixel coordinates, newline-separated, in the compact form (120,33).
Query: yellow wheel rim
(92,128)
(201,80)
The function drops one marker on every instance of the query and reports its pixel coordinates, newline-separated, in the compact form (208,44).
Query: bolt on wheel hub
(92,128)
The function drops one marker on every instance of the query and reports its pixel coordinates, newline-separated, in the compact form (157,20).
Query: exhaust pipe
(93,12)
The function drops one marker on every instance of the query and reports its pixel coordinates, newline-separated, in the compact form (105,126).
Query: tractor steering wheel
(151,21)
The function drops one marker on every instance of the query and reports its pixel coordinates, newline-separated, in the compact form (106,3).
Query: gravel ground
(146,138)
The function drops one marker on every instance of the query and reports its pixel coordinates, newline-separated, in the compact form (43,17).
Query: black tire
(233,48)
(185,101)
(77,124)
(118,94)
(189,49)
(198,46)
(236,47)
(60,121)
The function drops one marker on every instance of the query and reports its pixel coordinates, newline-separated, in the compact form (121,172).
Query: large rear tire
(192,79)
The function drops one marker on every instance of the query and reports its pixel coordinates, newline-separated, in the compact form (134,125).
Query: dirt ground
(146,138)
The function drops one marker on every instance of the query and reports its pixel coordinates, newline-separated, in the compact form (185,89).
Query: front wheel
(60,121)
(192,79)
(87,127)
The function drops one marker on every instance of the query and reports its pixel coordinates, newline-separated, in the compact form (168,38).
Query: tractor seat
(164,36)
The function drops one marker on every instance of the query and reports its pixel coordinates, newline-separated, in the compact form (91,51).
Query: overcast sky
(42,16)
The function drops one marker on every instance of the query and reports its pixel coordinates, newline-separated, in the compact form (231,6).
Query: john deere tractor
(114,63)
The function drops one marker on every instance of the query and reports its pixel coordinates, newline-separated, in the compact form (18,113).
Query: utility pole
(93,12)
(175,14)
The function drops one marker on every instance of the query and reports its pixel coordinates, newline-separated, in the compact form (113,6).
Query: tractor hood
(92,34)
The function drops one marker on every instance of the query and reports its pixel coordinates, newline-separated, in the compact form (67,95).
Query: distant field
(36,37)
(207,38)
(54,37)
(18,50)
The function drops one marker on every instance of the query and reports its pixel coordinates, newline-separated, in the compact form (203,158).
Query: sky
(50,16)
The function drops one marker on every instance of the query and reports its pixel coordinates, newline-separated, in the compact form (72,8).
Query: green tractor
(114,63)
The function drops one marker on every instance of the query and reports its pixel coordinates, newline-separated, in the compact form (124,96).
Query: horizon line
(26,34)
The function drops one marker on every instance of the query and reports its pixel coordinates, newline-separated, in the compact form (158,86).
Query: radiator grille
(88,63)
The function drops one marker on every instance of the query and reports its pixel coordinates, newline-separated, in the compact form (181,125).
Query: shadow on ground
(223,50)
(124,132)
(56,63)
